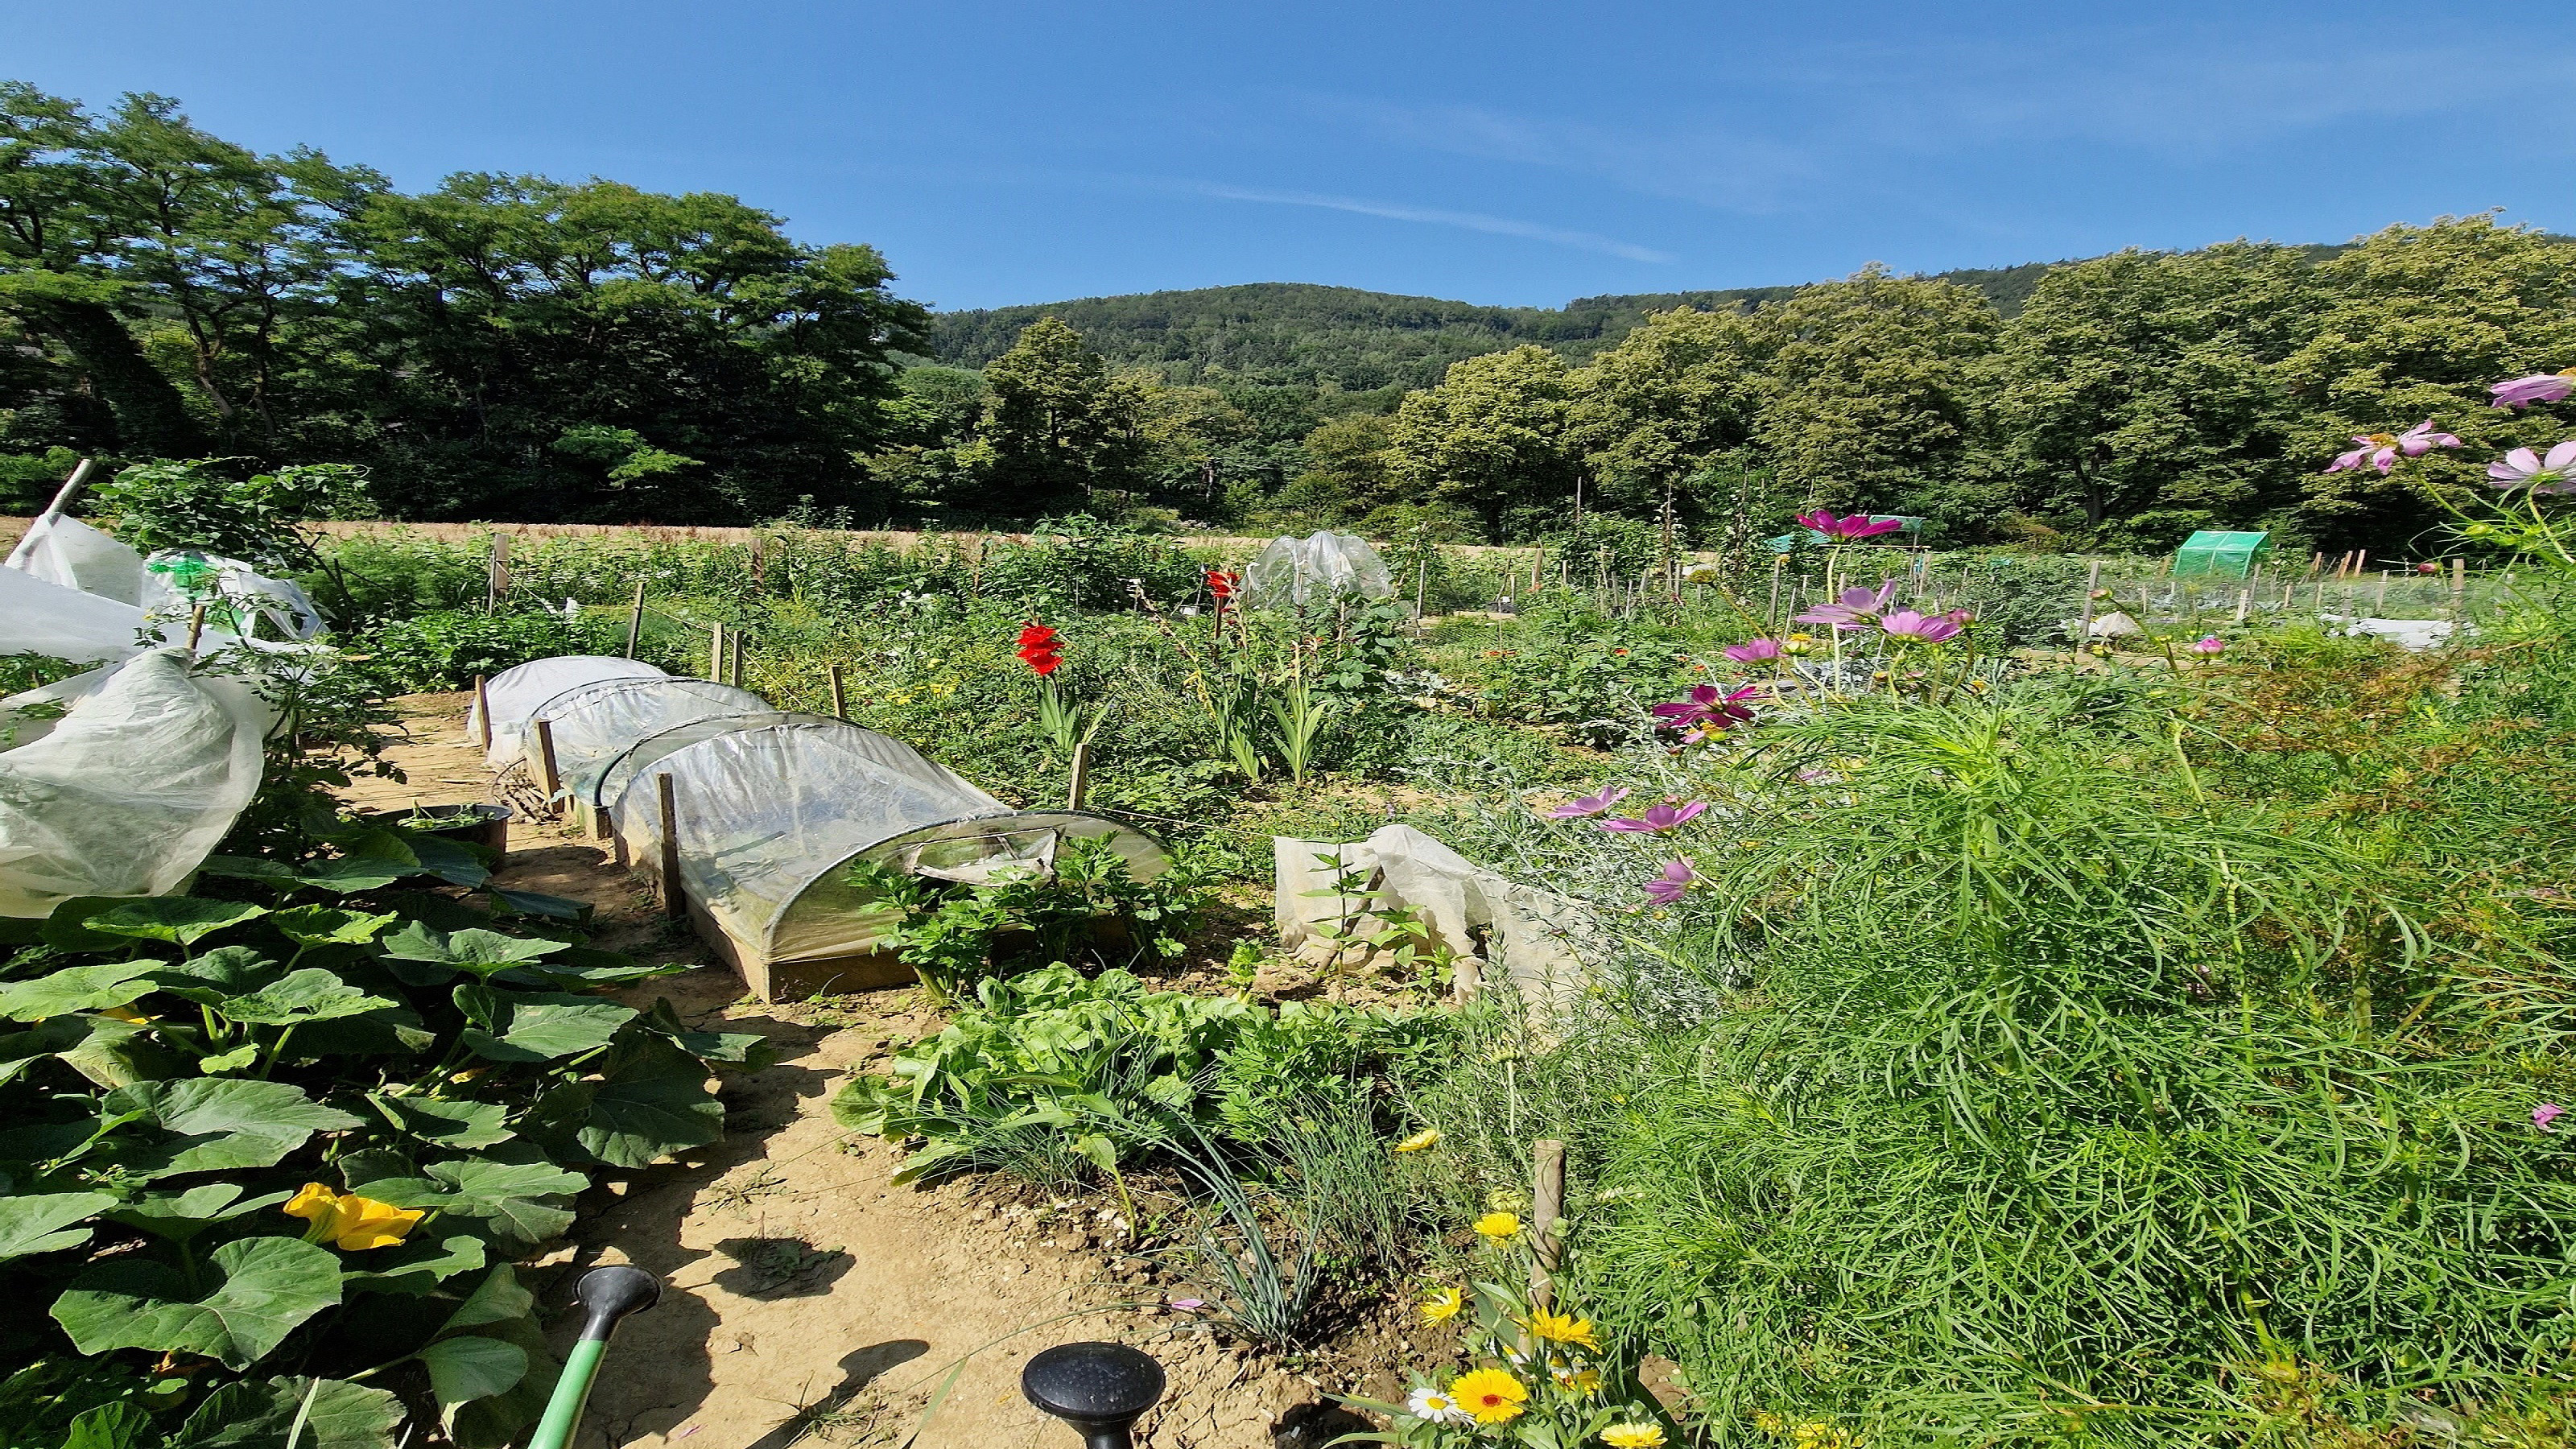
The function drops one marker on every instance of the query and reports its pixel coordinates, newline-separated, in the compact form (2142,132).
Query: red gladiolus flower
(1221,585)
(1039,650)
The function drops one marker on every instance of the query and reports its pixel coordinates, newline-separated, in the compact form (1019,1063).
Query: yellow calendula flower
(1499,1226)
(1442,1305)
(1587,1382)
(1633,1436)
(1562,1328)
(1422,1141)
(1491,1395)
(346,1220)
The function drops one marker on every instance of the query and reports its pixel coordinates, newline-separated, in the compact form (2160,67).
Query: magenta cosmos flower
(2522,392)
(1581,806)
(1706,711)
(1667,886)
(2381,450)
(1854,608)
(2523,468)
(1662,817)
(1754,652)
(1907,624)
(2209,644)
(1845,530)
(2546,1113)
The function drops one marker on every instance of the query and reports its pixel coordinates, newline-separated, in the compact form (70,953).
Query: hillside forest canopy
(523,349)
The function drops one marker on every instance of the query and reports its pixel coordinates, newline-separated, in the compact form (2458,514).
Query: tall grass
(2063,1096)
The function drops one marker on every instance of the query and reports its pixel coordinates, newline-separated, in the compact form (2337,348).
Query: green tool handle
(572,1391)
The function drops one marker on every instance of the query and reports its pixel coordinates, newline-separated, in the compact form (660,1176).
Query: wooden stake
(547,779)
(2244,603)
(635,625)
(196,626)
(2092,581)
(674,895)
(716,653)
(734,642)
(839,710)
(2459,589)
(496,575)
(599,826)
(482,713)
(1081,781)
(1547,1204)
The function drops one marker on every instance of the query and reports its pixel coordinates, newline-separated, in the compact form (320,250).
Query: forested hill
(1294,332)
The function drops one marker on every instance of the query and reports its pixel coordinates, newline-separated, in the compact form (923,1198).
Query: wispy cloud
(1469,220)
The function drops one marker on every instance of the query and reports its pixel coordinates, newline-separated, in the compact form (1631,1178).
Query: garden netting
(127,794)
(514,695)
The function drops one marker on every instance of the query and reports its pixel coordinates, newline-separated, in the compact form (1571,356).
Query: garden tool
(1101,1389)
(607,1295)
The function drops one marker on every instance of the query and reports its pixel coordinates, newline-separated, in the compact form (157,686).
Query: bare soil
(806,1294)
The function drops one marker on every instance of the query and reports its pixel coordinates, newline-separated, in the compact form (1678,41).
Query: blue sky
(1497,152)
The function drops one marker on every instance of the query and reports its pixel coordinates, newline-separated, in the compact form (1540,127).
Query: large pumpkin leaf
(249,1295)
(502,1311)
(311,994)
(335,1414)
(44,1222)
(747,1050)
(590,966)
(471,1366)
(418,1265)
(120,1425)
(443,1121)
(220,1123)
(108,1051)
(653,1102)
(325,926)
(78,988)
(471,950)
(536,1026)
(521,1200)
(385,1031)
(183,920)
(219,975)
(180,1216)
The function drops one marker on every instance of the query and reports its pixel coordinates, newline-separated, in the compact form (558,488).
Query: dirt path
(807,1294)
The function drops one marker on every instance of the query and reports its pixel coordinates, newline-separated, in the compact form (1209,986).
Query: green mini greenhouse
(2210,554)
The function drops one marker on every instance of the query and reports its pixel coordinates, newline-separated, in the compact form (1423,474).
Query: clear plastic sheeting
(594,723)
(615,776)
(176,582)
(129,791)
(514,695)
(769,820)
(1523,934)
(1323,568)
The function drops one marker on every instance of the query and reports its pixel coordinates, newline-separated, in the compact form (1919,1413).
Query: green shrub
(448,648)
(1051,1074)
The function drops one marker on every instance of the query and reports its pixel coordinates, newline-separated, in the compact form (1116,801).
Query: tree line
(512,347)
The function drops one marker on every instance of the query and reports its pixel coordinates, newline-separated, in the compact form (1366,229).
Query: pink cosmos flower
(1667,887)
(1907,624)
(2522,392)
(2381,450)
(2209,644)
(1662,817)
(2524,468)
(1845,530)
(1581,806)
(2546,1113)
(1853,608)
(1754,652)
(1706,711)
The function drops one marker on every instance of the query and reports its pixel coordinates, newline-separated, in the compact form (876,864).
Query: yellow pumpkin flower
(1633,1436)
(1442,1305)
(1491,1395)
(349,1221)
(1422,1141)
(1562,1328)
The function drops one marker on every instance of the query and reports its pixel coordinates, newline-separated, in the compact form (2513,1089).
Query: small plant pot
(484,825)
